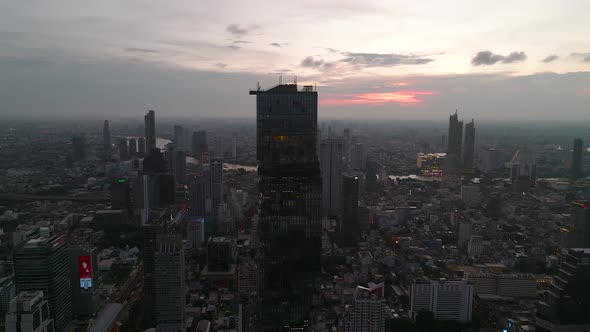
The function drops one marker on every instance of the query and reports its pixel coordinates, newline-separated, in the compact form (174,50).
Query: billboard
(85,271)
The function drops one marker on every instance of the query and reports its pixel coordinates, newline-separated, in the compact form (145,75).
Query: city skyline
(377,60)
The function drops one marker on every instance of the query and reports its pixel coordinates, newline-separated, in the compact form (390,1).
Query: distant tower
(178,136)
(331,167)
(350,196)
(577,159)
(150,130)
(469,146)
(132,147)
(359,156)
(106,137)
(455,140)
(170,283)
(141,146)
(199,144)
(79,147)
(216,168)
(123,148)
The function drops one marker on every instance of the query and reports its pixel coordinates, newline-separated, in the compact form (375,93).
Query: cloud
(488,58)
(275,44)
(237,30)
(242,42)
(310,62)
(515,57)
(550,58)
(332,50)
(384,60)
(24,62)
(234,47)
(221,65)
(584,57)
(141,50)
(377,98)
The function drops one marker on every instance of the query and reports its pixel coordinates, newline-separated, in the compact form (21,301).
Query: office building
(42,265)
(132,147)
(199,144)
(358,156)
(200,203)
(79,147)
(123,148)
(331,167)
(371,176)
(447,300)
(221,254)
(29,312)
(216,171)
(579,236)
(120,194)
(179,136)
(350,229)
(503,284)
(475,246)
(248,277)
(176,159)
(290,209)
(150,131)
(469,151)
(455,142)
(346,145)
(368,311)
(84,281)
(106,138)
(465,231)
(577,159)
(141,146)
(170,283)
(564,306)
(431,164)
(7,293)
(196,232)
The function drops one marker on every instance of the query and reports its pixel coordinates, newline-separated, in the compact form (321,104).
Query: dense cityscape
(291,224)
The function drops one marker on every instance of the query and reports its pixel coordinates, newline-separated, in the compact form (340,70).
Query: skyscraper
(79,147)
(346,145)
(150,130)
(200,195)
(141,146)
(331,166)
(350,196)
(123,148)
(216,169)
(455,140)
(577,166)
(199,144)
(290,187)
(42,264)
(368,311)
(469,146)
(170,283)
(358,156)
(132,147)
(84,281)
(106,137)
(178,136)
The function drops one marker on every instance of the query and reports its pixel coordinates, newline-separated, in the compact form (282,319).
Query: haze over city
(373,60)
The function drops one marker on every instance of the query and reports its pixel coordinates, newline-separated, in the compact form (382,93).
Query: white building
(447,300)
(29,312)
(368,311)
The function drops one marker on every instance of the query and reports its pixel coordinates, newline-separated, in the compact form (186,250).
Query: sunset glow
(378,98)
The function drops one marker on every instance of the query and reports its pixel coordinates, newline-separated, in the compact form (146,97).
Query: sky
(498,60)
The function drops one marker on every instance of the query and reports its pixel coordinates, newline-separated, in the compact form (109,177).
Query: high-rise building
(579,236)
(132,147)
(179,136)
(123,148)
(247,277)
(195,234)
(455,142)
(289,232)
(577,159)
(29,312)
(141,146)
(221,254)
(469,146)
(150,130)
(346,145)
(84,281)
(79,147)
(331,167)
(368,311)
(216,169)
(106,137)
(7,293)
(358,156)
(199,144)
(564,307)
(371,180)
(200,195)
(170,283)
(42,265)
(447,300)
(350,229)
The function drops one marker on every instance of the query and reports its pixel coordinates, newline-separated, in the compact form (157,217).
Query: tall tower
(150,131)
(199,144)
(577,167)
(350,229)
(455,140)
(469,146)
(79,147)
(170,283)
(289,228)
(106,137)
(179,136)
(216,168)
(331,166)
(42,265)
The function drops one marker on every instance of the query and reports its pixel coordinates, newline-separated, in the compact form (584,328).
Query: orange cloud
(378,98)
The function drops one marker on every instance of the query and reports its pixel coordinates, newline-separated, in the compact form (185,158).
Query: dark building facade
(577,158)
(150,130)
(106,137)
(79,147)
(141,146)
(469,151)
(455,142)
(199,144)
(123,148)
(350,196)
(289,229)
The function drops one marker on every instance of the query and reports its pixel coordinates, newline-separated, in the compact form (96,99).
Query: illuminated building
(84,281)
(289,226)
(431,164)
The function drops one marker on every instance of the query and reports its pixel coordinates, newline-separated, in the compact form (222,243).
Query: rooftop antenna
(258,86)
(280,80)
(295,80)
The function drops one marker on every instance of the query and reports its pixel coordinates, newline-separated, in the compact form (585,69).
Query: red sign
(85,271)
